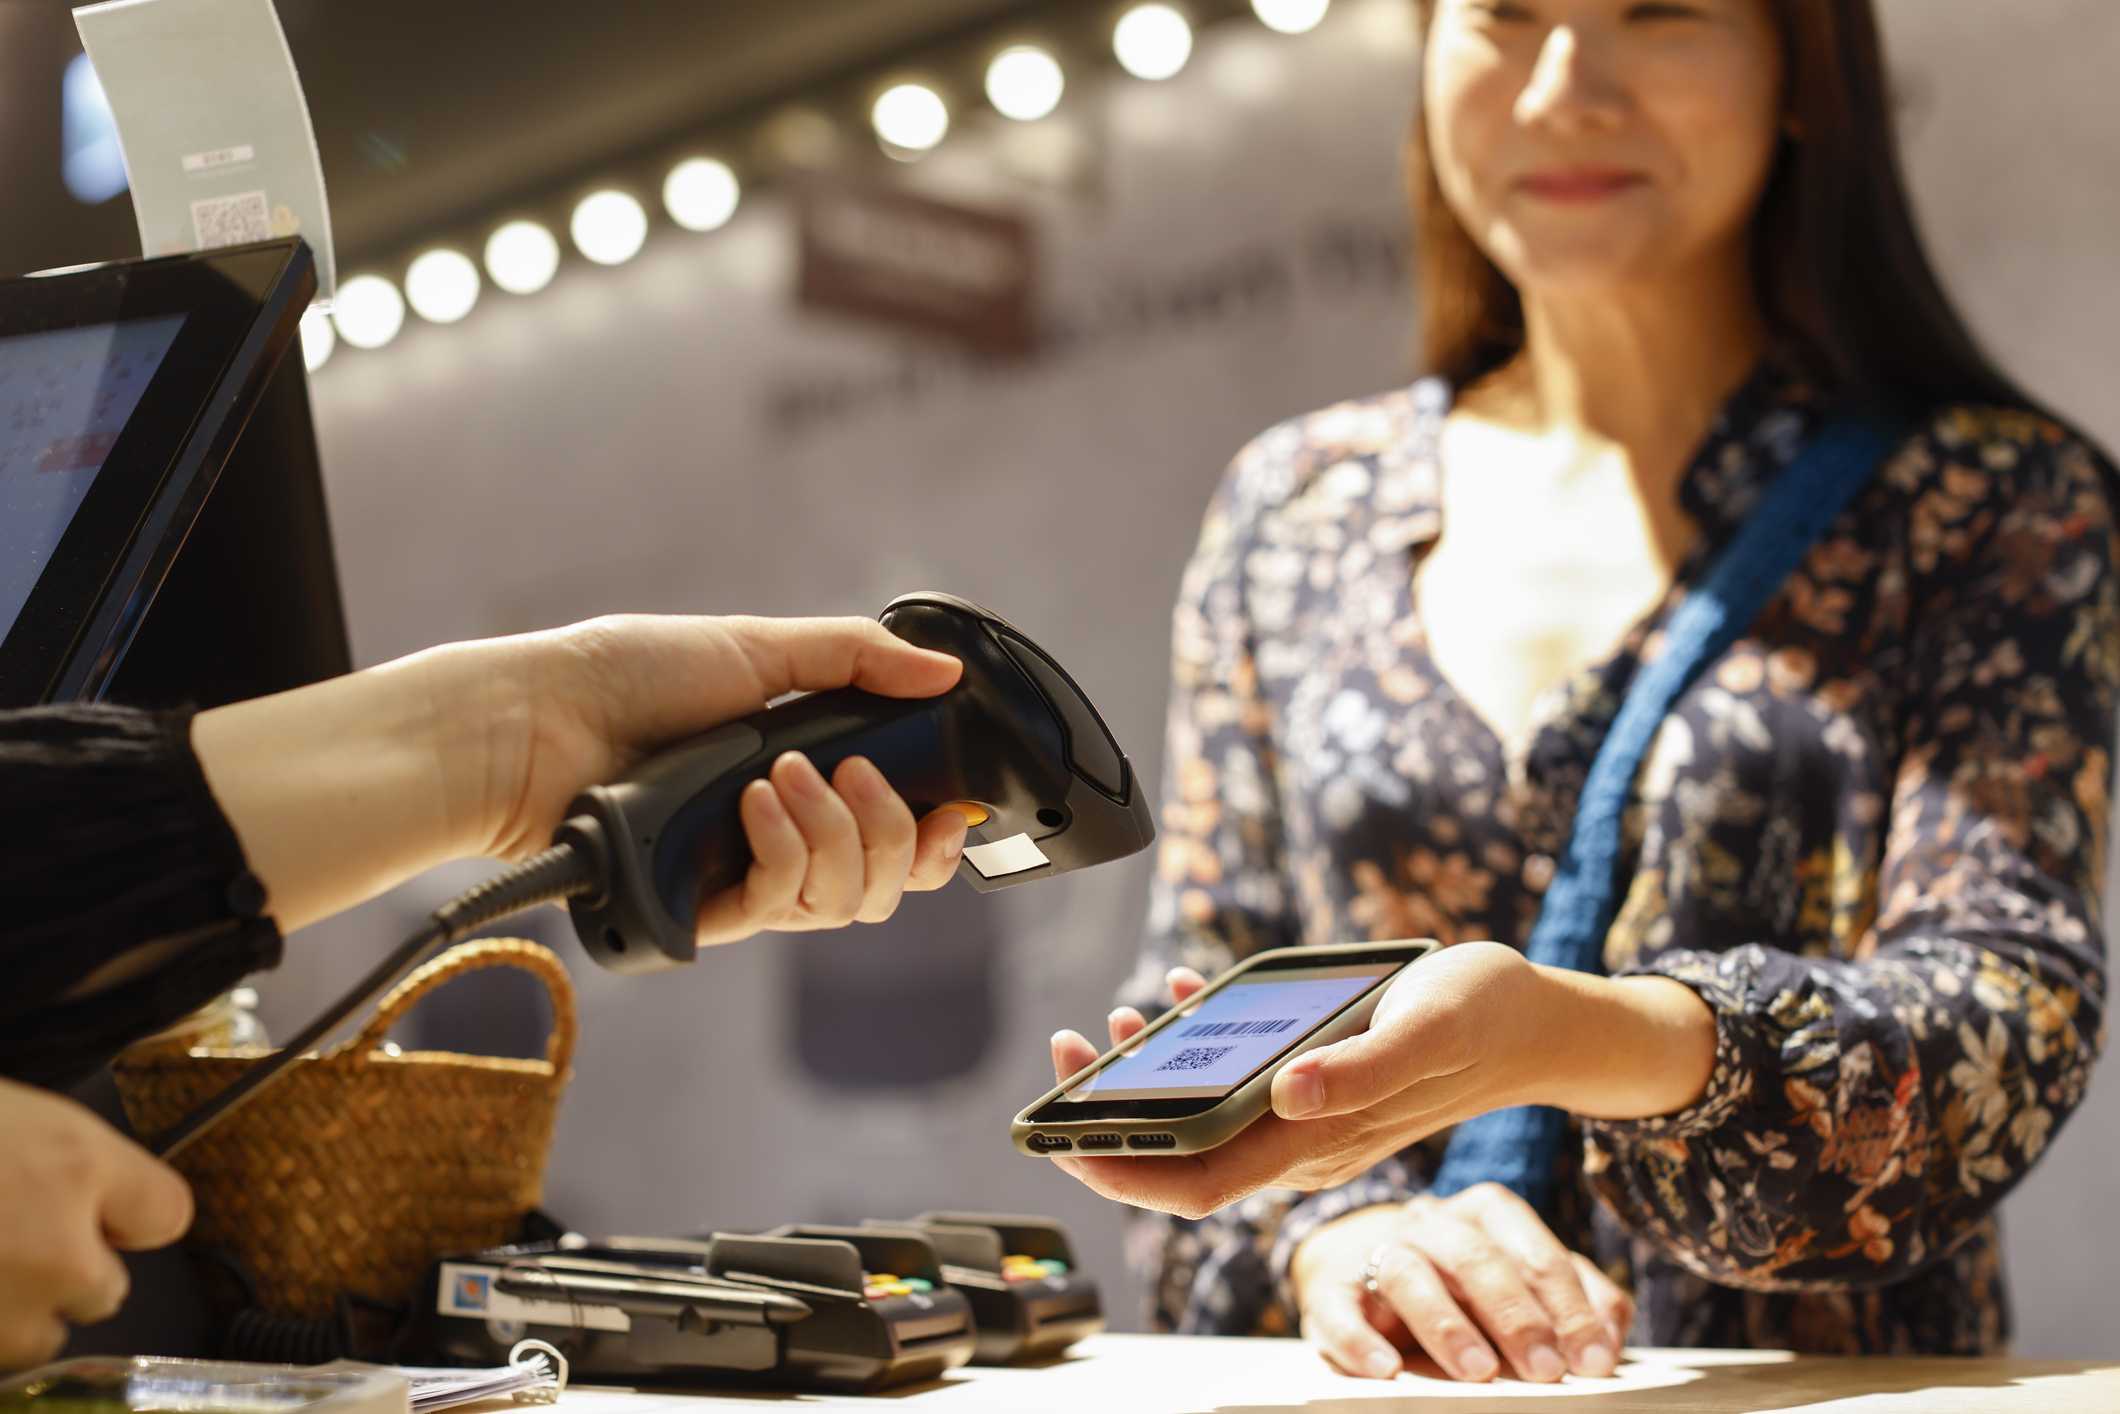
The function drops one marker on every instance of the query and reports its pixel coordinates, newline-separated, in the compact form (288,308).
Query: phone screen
(1236,1031)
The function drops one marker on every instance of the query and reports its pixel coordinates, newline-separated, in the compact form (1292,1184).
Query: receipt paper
(211,118)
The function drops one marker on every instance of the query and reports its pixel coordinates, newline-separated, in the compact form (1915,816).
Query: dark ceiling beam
(498,104)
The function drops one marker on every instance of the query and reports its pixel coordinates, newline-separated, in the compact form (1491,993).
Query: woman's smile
(1580,184)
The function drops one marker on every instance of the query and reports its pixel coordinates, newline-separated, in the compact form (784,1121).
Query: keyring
(1373,1268)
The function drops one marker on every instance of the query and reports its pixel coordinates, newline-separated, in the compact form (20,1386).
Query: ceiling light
(1024,83)
(1152,41)
(369,311)
(1290,16)
(317,339)
(608,227)
(441,286)
(911,116)
(521,257)
(701,194)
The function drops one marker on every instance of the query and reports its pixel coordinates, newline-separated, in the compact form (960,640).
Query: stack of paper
(535,1374)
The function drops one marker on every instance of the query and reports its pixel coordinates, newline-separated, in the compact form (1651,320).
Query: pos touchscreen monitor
(163,536)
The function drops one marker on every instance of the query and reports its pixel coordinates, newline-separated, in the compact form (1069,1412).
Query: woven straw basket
(358,1167)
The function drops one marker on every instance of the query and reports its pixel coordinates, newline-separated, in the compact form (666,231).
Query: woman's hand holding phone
(1449,1040)
(1473,1028)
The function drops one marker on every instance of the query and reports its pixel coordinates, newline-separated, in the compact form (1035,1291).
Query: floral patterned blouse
(1871,837)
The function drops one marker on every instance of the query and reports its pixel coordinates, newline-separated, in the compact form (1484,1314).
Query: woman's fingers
(1484,1279)
(1336,1322)
(1125,1023)
(1072,1054)
(1549,1270)
(1613,1306)
(1425,1300)
(1184,984)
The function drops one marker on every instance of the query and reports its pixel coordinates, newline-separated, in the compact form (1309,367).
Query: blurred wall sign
(925,264)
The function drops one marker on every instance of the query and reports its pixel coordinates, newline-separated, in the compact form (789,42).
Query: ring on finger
(1374,1268)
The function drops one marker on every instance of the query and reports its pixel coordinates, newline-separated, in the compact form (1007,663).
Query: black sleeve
(109,841)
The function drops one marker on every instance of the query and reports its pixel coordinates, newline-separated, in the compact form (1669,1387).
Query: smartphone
(1202,1072)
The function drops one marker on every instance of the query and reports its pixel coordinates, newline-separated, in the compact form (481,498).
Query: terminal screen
(1234,1033)
(65,395)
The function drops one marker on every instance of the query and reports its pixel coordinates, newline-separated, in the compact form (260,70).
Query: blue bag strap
(1520,1148)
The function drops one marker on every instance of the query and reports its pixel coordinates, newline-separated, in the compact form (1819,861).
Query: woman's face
(1590,144)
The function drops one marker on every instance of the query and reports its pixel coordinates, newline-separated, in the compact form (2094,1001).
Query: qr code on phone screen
(1195,1058)
(231,220)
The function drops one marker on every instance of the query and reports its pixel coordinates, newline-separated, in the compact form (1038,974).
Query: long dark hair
(1839,271)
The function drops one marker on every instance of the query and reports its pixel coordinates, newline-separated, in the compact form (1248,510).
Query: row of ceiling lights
(1024,82)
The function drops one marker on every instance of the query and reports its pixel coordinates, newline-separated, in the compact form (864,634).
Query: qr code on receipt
(1195,1058)
(231,220)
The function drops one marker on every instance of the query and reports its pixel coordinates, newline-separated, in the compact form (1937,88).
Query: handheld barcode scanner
(1014,743)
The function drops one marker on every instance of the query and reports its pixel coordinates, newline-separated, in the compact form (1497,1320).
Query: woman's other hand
(1472,1028)
(344,788)
(1472,1281)
(71,1190)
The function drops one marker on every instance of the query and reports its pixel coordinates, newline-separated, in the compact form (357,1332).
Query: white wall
(615,443)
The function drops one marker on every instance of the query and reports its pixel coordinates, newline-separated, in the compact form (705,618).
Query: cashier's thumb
(146,1203)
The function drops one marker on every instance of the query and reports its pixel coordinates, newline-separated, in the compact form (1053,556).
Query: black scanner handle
(1014,737)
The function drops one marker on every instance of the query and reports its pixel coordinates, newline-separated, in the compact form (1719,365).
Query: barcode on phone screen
(1236,1028)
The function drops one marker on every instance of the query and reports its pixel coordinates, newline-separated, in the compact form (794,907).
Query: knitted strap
(1520,1148)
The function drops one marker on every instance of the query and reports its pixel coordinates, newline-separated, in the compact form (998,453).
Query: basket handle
(534,958)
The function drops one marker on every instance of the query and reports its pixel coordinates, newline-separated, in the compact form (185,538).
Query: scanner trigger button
(973,812)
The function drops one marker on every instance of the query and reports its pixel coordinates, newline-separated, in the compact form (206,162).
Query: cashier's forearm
(343,789)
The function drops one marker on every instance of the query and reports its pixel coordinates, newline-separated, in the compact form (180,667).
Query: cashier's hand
(344,788)
(71,1189)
